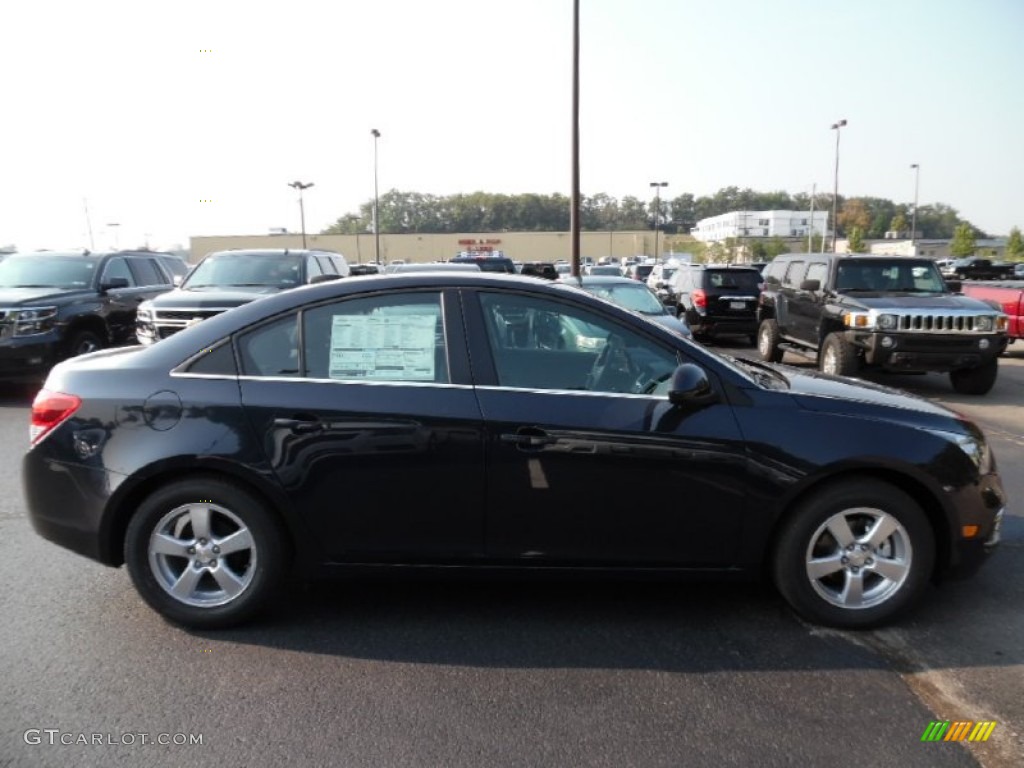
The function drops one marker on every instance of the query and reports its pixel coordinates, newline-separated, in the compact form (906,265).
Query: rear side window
(795,274)
(272,349)
(147,272)
(377,338)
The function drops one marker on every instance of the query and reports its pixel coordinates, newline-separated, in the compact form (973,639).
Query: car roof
(174,349)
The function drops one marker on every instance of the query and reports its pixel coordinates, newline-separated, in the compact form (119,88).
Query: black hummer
(55,305)
(890,312)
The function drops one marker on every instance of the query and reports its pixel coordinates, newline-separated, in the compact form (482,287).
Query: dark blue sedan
(466,420)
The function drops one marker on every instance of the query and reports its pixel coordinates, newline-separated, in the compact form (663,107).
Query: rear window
(733,279)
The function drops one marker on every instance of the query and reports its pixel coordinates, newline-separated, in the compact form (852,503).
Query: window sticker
(388,348)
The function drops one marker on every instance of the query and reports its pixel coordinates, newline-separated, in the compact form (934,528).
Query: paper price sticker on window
(383,348)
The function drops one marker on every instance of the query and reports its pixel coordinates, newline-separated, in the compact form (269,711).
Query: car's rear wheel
(855,554)
(768,341)
(975,381)
(204,552)
(839,357)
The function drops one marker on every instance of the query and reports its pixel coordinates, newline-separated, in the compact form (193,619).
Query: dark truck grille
(938,323)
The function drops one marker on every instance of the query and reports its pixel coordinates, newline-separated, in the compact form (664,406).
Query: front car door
(367,417)
(587,462)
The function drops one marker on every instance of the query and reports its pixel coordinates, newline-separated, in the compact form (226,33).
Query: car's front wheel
(204,552)
(838,356)
(975,381)
(854,554)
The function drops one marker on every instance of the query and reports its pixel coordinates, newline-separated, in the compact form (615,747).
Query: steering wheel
(614,370)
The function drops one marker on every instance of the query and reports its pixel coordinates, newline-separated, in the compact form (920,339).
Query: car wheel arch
(926,498)
(127,498)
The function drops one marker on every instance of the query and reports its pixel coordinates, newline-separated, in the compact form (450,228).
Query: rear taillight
(700,299)
(50,409)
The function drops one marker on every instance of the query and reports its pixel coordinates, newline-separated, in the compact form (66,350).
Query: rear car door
(582,466)
(368,419)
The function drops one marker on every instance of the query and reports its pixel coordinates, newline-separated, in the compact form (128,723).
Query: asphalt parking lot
(478,672)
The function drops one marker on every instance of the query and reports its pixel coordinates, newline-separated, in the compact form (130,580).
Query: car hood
(836,394)
(911,301)
(211,298)
(671,322)
(25,296)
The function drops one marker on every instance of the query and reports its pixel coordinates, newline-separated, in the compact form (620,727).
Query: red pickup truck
(1008,296)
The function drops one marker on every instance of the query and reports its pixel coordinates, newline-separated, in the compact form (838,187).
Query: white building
(761,224)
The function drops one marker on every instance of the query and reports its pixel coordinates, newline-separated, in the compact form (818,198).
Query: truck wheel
(838,356)
(975,381)
(768,341)
(84,342)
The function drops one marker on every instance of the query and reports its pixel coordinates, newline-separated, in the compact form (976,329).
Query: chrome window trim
(572,392)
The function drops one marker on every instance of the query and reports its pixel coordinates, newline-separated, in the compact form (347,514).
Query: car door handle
(528,438)
(300,426)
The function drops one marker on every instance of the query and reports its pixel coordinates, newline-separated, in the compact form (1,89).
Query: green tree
(898,223)
(963,241)
(1015,246)
(856,243)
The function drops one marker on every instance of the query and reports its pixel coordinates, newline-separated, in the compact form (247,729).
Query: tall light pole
(574,182)
(657,213)
(376,221)
(302,208)
(117,238)
(835,187)
(913,221)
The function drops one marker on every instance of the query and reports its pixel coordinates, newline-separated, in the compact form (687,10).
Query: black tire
(255,568)
(767,341)
(838,356)
(892,570)
(975,381)
(83,342)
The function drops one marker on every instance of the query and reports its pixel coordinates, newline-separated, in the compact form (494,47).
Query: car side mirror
(690,386)
(113,283)
(323,279)
(176,279)
(954,286)
(810,285)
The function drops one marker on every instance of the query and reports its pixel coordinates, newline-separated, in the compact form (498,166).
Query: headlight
(33,320)
(858,320)
(144,315)
(974,446)
(983,323)
(887,322)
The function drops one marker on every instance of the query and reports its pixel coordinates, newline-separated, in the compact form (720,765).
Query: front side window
(117,268)
(542,344)
(795,274)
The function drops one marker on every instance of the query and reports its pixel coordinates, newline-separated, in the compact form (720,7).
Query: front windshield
(889,276)
(633,296)
(224,270)
(47,272)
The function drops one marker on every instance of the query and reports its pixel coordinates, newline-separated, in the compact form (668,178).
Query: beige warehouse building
(519,246)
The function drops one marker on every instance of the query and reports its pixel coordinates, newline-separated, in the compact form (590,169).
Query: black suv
(889,312)
(55,305)
(716,300)
(227,279)
(488,263)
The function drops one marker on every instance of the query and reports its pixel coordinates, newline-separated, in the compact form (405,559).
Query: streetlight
(657,213)
(376,221)
(302,209)
(835,187)
(117,239)
(913,222)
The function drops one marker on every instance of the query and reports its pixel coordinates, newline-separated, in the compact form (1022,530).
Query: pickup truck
(977,268)
(892,313)
(1008,296)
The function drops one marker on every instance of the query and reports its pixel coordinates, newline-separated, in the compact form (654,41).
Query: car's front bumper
(29,358)
(927,352)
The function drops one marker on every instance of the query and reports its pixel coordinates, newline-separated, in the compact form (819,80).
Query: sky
(152,123)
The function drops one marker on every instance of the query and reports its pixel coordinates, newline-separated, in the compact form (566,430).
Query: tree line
(418,213)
